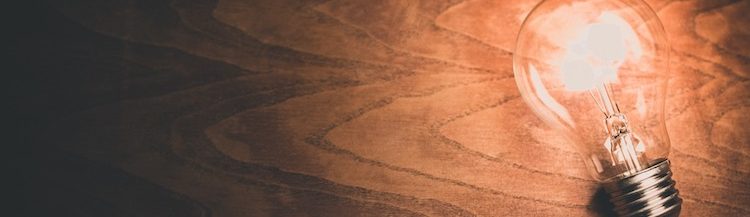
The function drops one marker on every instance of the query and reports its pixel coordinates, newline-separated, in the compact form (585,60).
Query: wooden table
(345,108)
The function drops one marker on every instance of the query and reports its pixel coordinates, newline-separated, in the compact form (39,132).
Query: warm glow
(596,54)
(547,99)
(640,104)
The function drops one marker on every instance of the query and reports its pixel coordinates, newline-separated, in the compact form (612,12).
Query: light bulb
(596,71)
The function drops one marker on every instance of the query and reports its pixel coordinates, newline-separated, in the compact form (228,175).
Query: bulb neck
(650,192)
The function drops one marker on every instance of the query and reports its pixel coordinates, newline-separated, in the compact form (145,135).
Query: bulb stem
(622,148)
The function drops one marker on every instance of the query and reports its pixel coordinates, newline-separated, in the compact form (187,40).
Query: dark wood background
(339,108)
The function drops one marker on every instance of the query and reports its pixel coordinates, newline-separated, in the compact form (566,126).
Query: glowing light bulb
(596,71)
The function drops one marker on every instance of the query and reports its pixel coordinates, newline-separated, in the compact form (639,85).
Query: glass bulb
(596,71)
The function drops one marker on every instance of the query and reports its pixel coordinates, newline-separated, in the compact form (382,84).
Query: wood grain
(347,108)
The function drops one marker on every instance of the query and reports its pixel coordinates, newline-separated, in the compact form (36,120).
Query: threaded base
(650,192)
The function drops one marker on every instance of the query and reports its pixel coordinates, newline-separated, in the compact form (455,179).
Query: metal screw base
(650,192)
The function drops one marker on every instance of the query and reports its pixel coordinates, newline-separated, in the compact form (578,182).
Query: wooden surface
(344,108)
